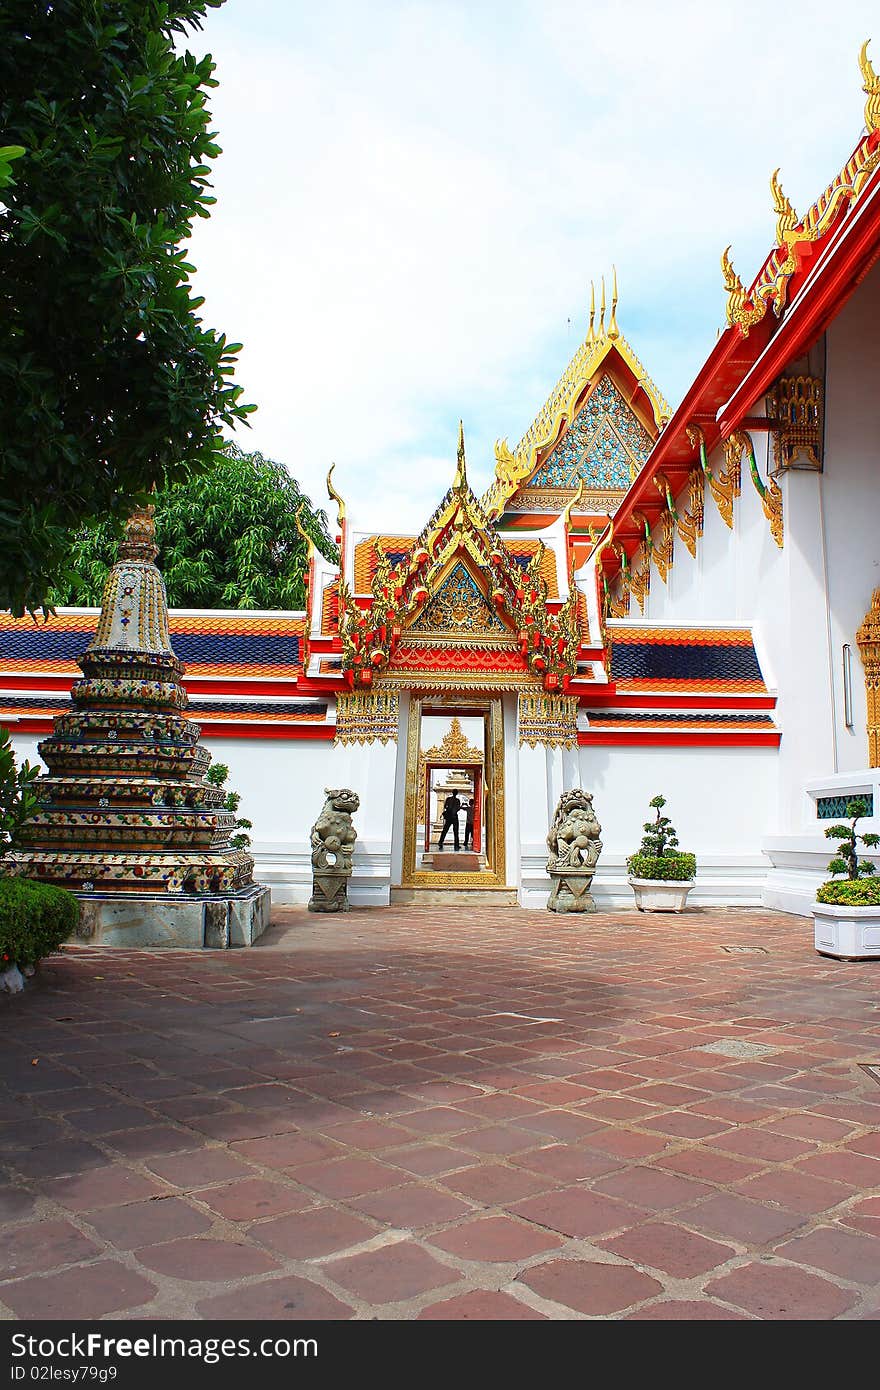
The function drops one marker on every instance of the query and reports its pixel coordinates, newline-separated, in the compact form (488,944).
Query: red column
(478,807)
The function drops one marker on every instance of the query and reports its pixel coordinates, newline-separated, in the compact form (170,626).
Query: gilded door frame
(494,875)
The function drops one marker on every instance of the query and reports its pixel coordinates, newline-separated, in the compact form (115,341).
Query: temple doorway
(454,799)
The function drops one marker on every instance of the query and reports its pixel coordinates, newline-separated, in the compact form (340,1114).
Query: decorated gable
(605,445)
(458,608)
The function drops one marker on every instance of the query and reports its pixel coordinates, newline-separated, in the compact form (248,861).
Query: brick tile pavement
(431,1113)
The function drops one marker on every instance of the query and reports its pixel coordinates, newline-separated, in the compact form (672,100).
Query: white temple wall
(851,496)
(722,802)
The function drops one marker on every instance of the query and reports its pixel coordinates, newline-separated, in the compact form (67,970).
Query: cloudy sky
(414,197)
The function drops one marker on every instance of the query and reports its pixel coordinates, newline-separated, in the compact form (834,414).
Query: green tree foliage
(109,382)
(847,861)
(18,792)
(217,775)
(227,538)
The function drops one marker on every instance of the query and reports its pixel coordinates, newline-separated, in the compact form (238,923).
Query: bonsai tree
(217,774)
(861,885)
(659,857)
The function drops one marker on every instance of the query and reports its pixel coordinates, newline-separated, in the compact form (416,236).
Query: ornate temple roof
(612,436)
(813,267)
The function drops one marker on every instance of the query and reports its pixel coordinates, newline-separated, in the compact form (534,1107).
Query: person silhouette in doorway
(450,820)
(469,824)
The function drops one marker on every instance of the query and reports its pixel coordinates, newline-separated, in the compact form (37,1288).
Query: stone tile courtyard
(447,1114)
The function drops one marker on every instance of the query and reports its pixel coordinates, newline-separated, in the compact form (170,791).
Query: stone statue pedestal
(571,890)
(330,891)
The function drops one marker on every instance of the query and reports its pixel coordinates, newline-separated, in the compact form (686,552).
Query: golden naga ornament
(871,88)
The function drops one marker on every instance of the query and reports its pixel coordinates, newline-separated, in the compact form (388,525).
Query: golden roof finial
(334,497)
(310,544)
(613,330)
(591,335)
(871,88)
(140,536)
(786,217)
(575,502)
(736,290)
(460,481)
(602,312)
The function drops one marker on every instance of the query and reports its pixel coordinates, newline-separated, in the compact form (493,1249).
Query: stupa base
(185,921)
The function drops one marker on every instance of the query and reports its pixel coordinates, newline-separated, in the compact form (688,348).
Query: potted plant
(660,874)
(846,913)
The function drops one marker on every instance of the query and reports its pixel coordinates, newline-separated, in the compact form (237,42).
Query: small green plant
(217,774)
(659,857)
(18,795)
(847,892)
(847,861)
(34,919)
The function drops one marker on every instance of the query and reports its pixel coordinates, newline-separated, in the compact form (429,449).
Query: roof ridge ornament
(335,497)
(602,313)
(460,482)
(786,217)
(613,330)
(591,333)
(871,88)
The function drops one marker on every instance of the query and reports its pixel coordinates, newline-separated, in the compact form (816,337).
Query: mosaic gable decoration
(458,608)
(605,445)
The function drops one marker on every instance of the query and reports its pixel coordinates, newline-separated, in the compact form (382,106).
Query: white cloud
(414,197)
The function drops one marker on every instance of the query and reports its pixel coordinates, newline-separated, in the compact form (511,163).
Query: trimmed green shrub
(34,920)
(847,861)
(659,857)
(847,892)
(674,867)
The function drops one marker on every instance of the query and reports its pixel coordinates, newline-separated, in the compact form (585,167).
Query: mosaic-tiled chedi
(125,807)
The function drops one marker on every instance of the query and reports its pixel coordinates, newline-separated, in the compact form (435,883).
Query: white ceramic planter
(849,933)
(661,895)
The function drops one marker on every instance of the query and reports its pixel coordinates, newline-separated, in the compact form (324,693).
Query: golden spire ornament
(591,335)
(786,217)
(613,330)
(460,482)
(602,312)
(871,88)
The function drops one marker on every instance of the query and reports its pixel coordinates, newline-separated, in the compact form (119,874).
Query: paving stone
(203,1258)
(762,1144)
(40,1246)
(849,1255)
(189,1170)
(780,1292)
(591,1288)
(86,1292)
(493,1184)
(428,1160)
(495,1239)
(670,1248)
(276,1300)
(251,1199)
(411,1207)
(653,1188)
(679,1310)
(480,1305)
(797,1191)
(311,1234)
(287,1150)
(738,1219)
(577,1212)
(392,1273)
(148,1223)
(348,1177)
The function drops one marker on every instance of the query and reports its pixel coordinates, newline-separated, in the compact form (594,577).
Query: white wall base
(287,869)
(799,866)
(722,881)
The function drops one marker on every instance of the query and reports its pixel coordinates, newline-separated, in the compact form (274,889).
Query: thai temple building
(645,601)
